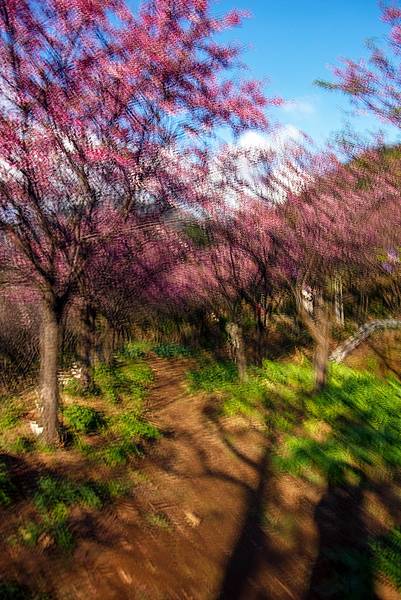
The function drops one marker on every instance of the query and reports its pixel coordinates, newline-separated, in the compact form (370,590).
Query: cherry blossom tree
(123,279)
(215,278)
(326,220)
(95,101)
(375,84)
(338,225)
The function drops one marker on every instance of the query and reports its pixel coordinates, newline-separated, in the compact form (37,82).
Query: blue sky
(293,42)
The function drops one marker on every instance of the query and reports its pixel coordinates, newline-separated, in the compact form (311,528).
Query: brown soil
(207,519)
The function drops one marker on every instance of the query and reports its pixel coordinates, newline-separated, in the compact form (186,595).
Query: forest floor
(207,518)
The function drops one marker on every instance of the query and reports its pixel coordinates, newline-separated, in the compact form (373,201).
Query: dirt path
(206,521)
(194,528)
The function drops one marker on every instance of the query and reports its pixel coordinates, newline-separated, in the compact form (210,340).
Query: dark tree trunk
(236,340)
(322,342)
(87,345)
(259,333)
(49,359)
(108,343)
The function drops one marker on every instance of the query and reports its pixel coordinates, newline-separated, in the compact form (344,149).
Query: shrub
(158,520)
(53,500)
(171,350)
(90,495)
(116,488)
(55,522)
(51,492)
(83,419)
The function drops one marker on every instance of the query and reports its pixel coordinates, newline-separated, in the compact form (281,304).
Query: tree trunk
(322,340)
(108,343)
(338,301)
(87,345)
(105,347)
(259,336)
(236,340)
(49,395)
(318,325)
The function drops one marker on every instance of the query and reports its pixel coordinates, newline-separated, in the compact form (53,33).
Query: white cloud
(278,138)
(283,177)
(303,107)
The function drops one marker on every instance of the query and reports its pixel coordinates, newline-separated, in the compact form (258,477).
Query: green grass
(11,411)
(352,429)
(272,391)
(115,488)
(245,397)
(54,499)
(129,429)
(117,435)
(138,374)
(22,445)
(361,417)
(354,570)
(212,376)
(171,350)
(126,384)
(350,574)
(129,426)
(82,419)
(117,452)
(125,379)
(387,557)
(110,382)
(73,387)
(158,520)
(136,349)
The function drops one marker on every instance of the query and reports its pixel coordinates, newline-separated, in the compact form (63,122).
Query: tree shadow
(241,577)
(12,590)
(251,543)
(343,568)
